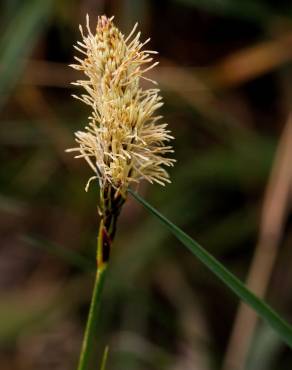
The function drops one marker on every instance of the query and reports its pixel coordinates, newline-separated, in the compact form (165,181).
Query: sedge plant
(124,140)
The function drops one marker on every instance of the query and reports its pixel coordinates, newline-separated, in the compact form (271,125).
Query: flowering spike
(123,143)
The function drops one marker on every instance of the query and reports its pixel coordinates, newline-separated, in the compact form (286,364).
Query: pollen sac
(124,140)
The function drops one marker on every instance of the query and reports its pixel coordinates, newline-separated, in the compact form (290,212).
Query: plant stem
(92,319)
(111,203)
(91,324)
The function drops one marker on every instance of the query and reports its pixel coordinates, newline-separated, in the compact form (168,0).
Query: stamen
(122,142)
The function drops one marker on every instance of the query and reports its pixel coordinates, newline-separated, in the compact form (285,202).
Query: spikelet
(123,141)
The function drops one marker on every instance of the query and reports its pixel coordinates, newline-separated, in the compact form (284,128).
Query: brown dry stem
(274,213)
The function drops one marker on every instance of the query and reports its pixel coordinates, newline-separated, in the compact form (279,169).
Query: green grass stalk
(91,325)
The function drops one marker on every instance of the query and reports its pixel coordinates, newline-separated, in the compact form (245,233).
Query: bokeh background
(226,78)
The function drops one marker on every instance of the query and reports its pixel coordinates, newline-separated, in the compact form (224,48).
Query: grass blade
(104,358)
(264,311)
(18,40)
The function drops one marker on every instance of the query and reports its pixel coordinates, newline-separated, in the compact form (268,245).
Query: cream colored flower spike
(123,142)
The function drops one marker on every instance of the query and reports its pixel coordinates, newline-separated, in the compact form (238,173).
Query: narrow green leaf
(263,310)
(104,358)
(18,40)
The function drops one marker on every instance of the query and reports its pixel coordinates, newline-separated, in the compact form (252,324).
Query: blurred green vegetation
(162,309)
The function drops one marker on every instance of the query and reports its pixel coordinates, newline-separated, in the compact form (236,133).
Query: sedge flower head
(124,141)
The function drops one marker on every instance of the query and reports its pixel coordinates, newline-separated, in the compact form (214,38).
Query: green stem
(111,204)
(91,324)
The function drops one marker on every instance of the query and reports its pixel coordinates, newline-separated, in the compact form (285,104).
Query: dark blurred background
(226,78)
